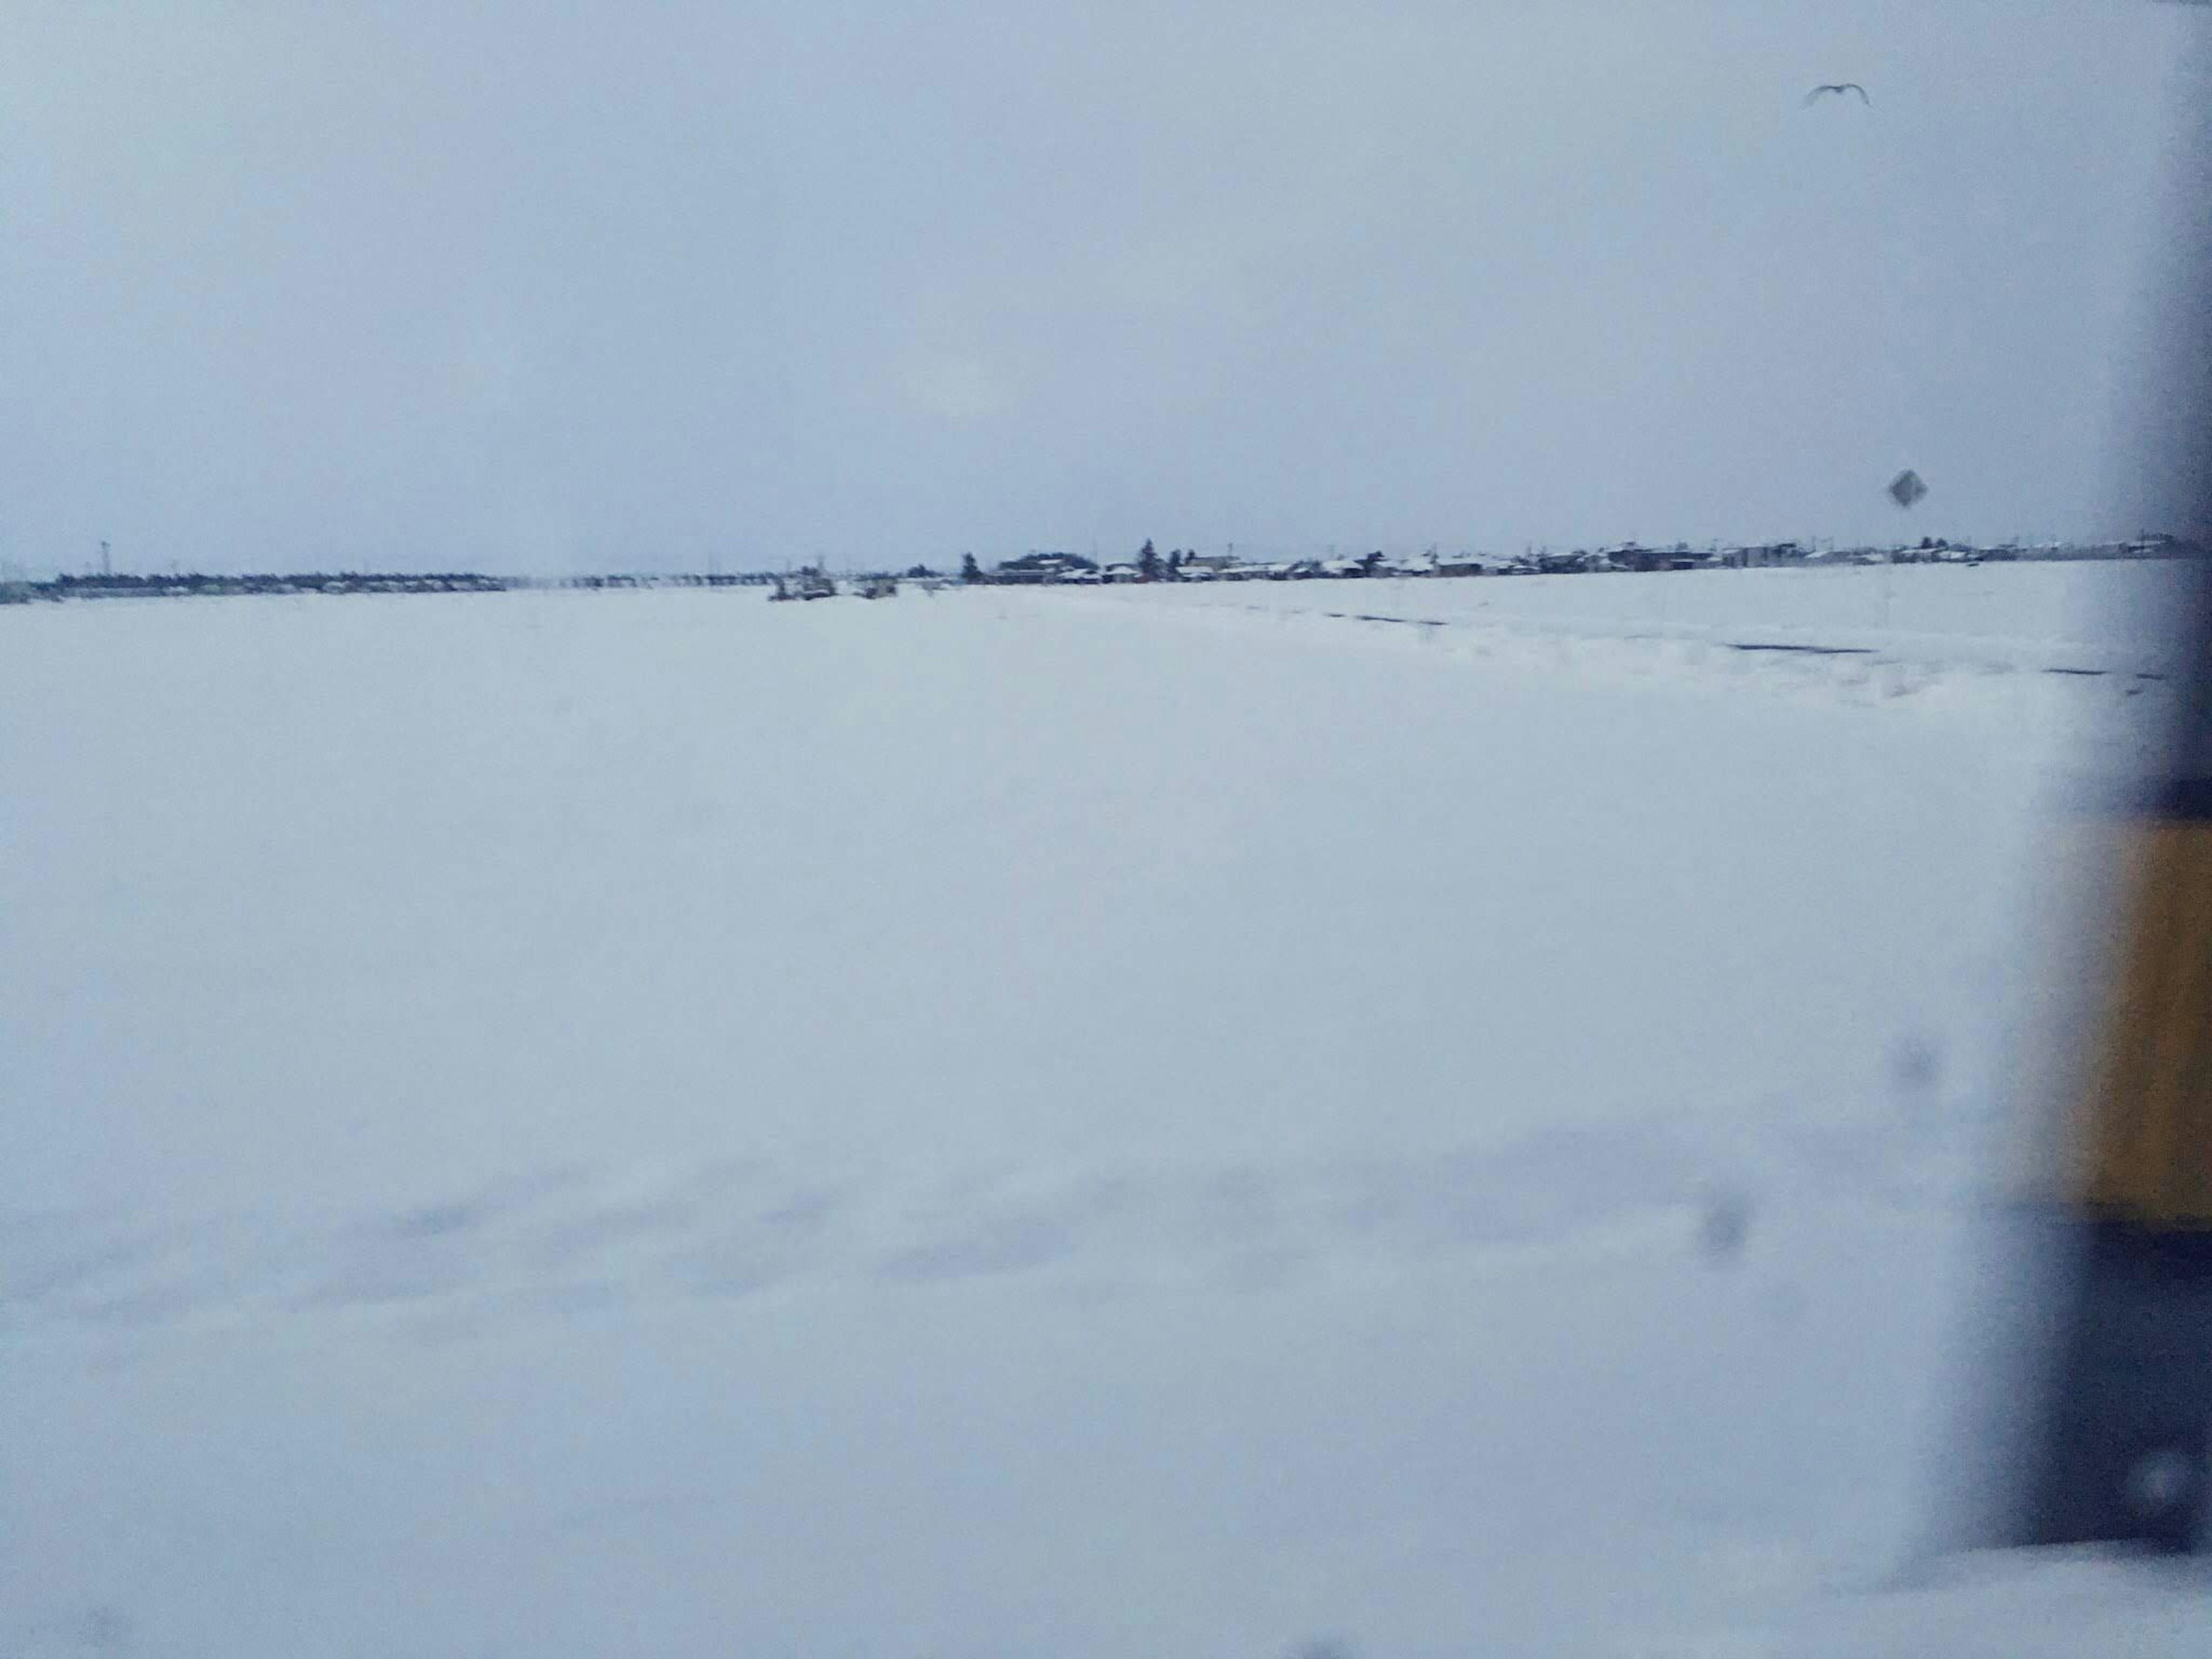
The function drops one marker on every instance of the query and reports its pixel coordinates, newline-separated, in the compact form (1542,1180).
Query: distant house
(1564,564)
(2158,545)
(1042,568)
(1755,555)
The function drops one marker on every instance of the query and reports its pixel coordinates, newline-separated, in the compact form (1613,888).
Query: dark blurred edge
(2088,1380)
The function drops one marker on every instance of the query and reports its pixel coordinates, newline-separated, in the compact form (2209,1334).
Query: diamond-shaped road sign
(1906,488)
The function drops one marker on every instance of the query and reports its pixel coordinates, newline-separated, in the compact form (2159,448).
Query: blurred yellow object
(2145,1133)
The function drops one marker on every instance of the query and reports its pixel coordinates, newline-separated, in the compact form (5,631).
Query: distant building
(1564,564)
(1754,555)
(1462,564)
(1040,568)
(807,584)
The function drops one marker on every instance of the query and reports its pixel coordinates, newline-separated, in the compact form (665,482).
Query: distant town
(1147,564)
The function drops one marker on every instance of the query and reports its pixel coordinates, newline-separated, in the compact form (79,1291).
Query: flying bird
(1839,87)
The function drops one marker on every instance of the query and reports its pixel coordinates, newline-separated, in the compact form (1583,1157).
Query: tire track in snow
(740,1229)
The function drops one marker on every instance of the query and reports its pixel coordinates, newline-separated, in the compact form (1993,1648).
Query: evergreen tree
(969,570)
(1148,563)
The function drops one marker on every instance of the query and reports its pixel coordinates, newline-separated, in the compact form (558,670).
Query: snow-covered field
(2047,616)
(1017,1123)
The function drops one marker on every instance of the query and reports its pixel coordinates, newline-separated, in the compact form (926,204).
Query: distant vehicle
(808,584)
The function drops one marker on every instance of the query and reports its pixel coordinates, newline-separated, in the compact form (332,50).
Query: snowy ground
(2047,616)
(1013,1123)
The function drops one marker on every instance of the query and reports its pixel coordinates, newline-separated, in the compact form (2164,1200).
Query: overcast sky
(522,285)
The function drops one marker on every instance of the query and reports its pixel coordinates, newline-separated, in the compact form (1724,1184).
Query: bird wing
(1854,86)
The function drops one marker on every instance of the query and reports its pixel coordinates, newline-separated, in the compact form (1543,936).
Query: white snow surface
(1155,1122)
(2055,617)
